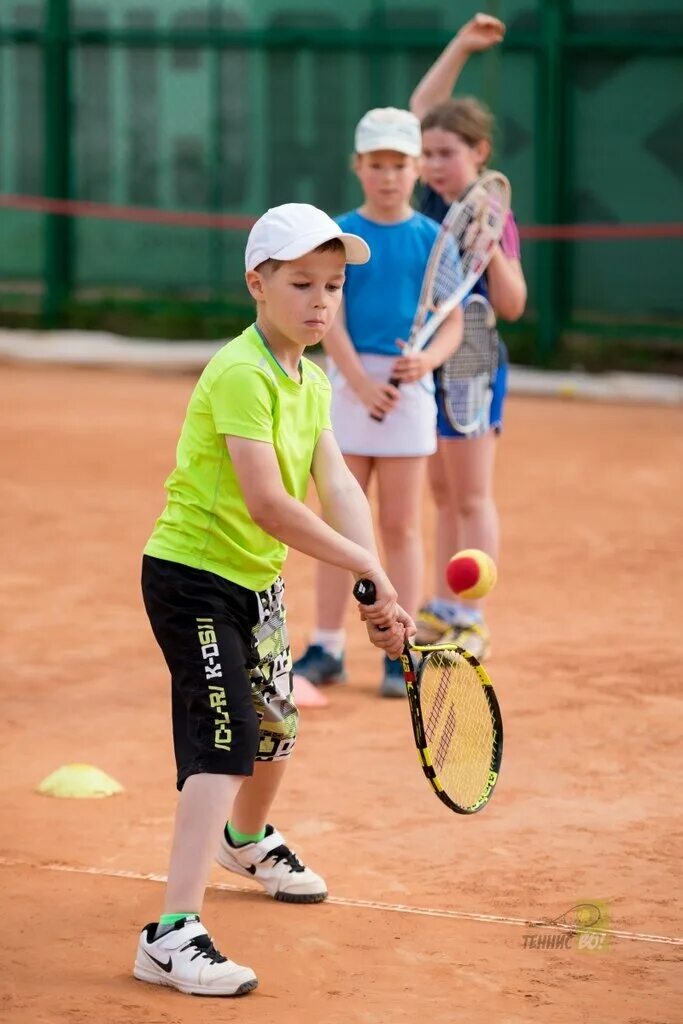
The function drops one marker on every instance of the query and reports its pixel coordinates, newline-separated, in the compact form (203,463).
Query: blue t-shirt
(381,297)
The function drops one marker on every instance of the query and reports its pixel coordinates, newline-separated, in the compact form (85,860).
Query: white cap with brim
(387,128)
(290,231)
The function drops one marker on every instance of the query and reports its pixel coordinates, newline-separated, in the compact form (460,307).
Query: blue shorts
(500,387)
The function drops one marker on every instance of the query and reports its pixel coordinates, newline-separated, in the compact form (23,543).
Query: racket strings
(469,233)
(476,224)
(446,275)
(466,377)
(459,726)
(478,351)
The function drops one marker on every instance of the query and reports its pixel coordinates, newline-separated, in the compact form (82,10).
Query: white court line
(341,901)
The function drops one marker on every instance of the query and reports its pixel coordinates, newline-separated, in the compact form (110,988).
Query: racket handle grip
(379,418)
(364,591)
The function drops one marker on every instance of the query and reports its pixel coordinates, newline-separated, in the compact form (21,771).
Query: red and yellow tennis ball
(471,574)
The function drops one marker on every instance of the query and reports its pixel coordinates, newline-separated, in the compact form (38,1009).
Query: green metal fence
(234,105)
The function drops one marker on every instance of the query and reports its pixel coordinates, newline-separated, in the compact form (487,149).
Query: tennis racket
(468,237)
(466,379)
(456,719)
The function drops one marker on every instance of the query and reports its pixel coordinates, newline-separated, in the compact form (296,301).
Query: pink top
(509,241)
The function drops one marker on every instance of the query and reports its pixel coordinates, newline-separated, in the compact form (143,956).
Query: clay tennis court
(587,655)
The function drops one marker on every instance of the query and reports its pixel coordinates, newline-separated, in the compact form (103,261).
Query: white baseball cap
(289,231)
(389,128)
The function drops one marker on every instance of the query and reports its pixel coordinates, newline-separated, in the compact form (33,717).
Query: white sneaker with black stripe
(275,866)
(184,957)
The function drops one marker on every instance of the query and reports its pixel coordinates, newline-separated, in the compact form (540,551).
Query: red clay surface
(586,661)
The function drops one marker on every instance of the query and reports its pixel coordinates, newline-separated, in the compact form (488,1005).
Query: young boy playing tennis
(456,146)
(257,426)
(380,303)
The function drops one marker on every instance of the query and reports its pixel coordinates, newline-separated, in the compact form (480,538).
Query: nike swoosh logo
(165,967)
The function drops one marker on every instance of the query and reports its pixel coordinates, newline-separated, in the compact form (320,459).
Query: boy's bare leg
(446,540)
(252,804)
(203,805)
(470,514)
(268,860)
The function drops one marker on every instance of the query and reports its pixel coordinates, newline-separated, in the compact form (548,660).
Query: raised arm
(480,33)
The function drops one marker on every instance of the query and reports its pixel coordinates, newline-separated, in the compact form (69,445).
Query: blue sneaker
(319,667)
(393,683)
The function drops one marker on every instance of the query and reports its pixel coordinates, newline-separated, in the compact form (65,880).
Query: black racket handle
(379,418)
(364,591)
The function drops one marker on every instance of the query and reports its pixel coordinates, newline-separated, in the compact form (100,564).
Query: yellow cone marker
(79,781)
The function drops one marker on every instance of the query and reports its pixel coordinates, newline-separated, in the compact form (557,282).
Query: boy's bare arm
(480,33)
(291,522)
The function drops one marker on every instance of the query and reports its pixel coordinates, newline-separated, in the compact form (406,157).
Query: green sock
(242,838)
(168,920)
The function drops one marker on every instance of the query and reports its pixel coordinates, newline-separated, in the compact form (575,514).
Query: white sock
(331,640)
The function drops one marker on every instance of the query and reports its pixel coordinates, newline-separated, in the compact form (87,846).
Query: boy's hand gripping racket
(469,234)
(455,716)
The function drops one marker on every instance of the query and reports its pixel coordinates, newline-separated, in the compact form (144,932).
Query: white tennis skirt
(408,430)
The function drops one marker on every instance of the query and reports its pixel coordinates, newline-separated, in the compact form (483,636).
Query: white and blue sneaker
(184,957)
(475,637)
(393,681)
(275,866)
(319,666)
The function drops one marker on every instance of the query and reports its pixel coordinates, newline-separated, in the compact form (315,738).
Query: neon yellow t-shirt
(242,392)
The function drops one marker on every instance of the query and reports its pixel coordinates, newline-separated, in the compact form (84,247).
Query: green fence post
(56,158)
(216,167)
(550,147)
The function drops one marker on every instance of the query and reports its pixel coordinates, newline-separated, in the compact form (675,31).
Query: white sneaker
(185,958)
(275,866)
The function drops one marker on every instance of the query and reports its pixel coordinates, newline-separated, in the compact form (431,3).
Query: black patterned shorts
(231,668)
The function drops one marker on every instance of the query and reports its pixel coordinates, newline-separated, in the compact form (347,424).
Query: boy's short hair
(389,128)
(270,265)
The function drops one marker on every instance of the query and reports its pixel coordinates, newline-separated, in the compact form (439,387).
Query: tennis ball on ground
(471,574)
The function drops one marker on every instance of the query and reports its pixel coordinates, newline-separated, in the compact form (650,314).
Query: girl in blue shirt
(364,352)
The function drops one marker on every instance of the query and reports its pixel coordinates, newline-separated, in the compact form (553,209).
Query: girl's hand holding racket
(378,397)
(411,366)
(467,239)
